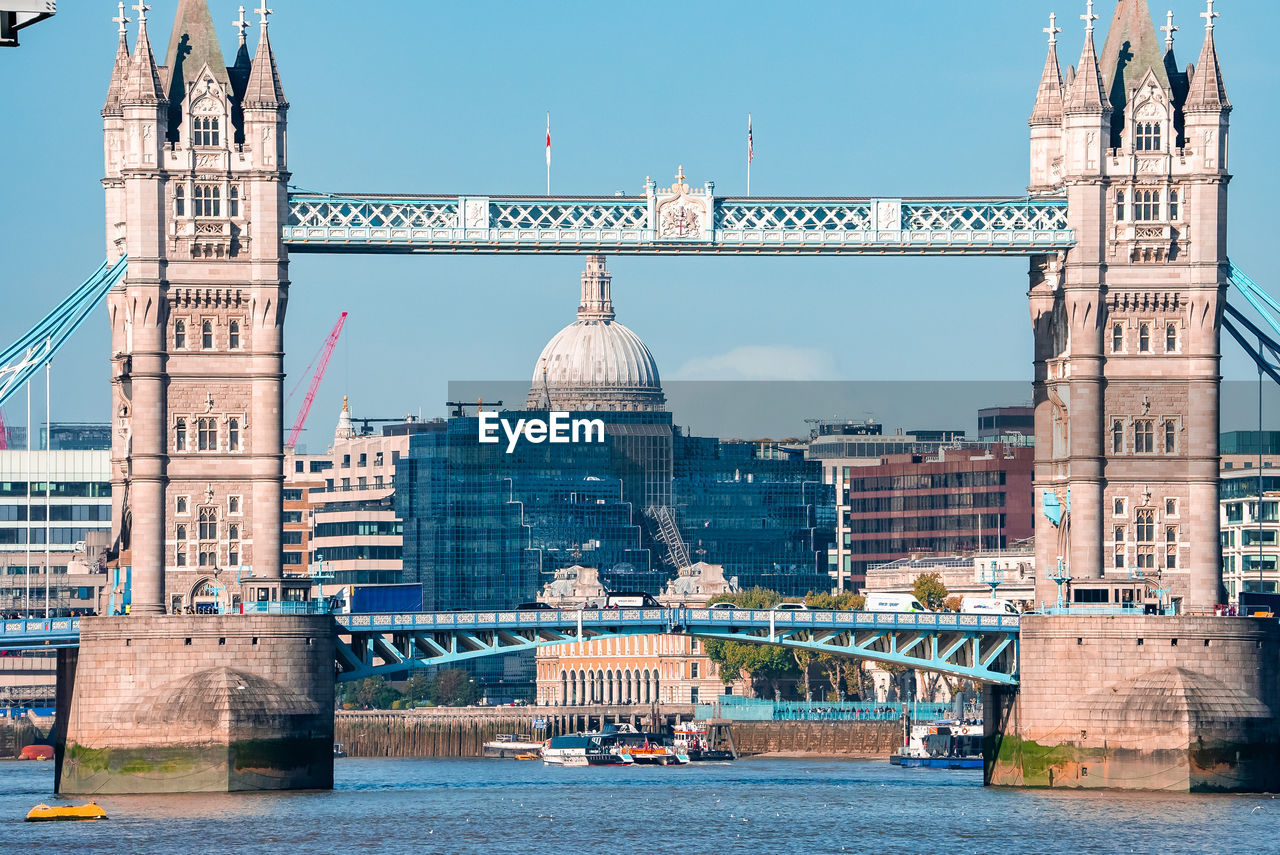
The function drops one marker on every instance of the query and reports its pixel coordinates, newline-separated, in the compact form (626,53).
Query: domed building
(596,363)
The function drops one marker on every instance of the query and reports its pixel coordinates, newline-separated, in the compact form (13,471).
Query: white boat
(509,745)
(584,749)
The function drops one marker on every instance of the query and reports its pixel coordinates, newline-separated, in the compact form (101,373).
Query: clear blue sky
(848,99)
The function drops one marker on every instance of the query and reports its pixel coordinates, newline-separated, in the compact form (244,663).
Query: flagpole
(749,154)
(548,152)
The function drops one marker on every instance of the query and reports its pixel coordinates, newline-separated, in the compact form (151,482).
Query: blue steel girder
(978,647)
(39,634)
(638,225)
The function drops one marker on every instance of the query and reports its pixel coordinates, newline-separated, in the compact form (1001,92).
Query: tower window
(208,524)
(208,199)
(233,201)
(233,335)
(233,434)
(180,505)
(1170,438)
(180,558)
(206,435)
(206,130)
(1171,339)
(1117,338)
(1143,436)
(182,531)
(1119,206)
(179,333)
(1146,205)
(206,334)
(1147,136)
(1146,525)
(1117,440)
(1173,204)
(1144,338)
(179,201)
(180,435)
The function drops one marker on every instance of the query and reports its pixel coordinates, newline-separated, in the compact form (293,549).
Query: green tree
(952,603)
(418,688)
(373,693)
(843,601)
(454,687)
(804,659)
(930,591)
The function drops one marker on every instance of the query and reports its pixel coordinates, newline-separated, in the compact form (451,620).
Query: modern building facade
(1249,530)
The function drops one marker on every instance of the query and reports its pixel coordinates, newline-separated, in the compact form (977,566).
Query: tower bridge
(1124,228)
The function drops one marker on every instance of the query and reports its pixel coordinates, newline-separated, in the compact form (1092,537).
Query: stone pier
(196,704)
(1185,704)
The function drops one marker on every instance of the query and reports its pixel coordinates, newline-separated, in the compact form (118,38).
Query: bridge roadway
(979,647)
(676,221)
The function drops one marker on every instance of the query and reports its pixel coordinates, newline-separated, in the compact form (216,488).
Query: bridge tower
(195,182)
(1126,324)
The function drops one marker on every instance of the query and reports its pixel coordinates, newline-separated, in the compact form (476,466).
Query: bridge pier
(196,704)
(1185,704)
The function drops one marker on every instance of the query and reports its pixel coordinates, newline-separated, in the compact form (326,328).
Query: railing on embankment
(462,732)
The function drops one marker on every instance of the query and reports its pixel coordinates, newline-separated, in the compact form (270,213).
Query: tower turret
(1046,121)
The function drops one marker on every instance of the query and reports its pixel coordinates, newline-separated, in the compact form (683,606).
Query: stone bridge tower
(195,194)
(1126,324)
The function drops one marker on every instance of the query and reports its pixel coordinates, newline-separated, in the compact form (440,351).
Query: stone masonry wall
(1177,703)
(199,703)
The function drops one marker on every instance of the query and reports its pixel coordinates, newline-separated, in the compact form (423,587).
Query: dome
(596,363)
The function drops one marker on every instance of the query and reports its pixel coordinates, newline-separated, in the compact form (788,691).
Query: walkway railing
(761,709)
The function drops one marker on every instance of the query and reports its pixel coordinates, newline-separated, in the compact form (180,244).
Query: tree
(453,687)
(372,693)
(843,601)
(930,591)
(805,658)
(418,688)
(952,603)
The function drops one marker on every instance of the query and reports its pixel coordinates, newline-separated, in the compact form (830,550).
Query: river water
(757,806)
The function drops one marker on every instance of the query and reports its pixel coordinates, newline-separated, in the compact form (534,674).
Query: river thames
(755,805)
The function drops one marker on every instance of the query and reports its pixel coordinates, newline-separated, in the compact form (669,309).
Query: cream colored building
(640,669)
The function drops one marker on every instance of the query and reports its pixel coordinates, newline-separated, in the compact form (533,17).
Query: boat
(510,745)
(585,749)
(655,755)
(945,744)
(339,750)
(529,755)
(44,813)
(36,752)
(692,739)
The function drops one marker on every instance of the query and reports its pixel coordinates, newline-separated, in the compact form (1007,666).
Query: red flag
(750,149)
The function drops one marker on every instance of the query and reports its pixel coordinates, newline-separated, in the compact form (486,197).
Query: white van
(893,603)
(986,606)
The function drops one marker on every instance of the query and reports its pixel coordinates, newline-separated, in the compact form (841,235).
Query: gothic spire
(597,301)
(1048,109)
(1084,95)
(121,68)
(142,82)
(264,89)
(1132,48)
(1207,92)
(239,72)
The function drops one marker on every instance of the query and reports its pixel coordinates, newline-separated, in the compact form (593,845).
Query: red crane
(325,353)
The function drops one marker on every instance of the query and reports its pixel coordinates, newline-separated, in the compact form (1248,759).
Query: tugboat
(946,744)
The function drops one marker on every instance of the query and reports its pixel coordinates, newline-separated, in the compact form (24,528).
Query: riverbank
(442,732)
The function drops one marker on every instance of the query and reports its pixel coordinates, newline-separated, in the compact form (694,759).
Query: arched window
(206,334)
(1170,438)
(208,524)
(206,130)
(1143,436)
(180,557)
(181,532)
(206,558)
(1117,338)
(1147,136)
(1146,205)
(1173,204)
(180,435)
(233,532)
(233,335)
(233,201)
(179,201)
(208,199)
(1119,206)
(1117,437)
(233,434)
(206,435)
(1171,339)
(180,506)
(1144,338)
(179,333)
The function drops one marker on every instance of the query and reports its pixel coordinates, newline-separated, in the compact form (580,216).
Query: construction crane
(325,353)
(4,434)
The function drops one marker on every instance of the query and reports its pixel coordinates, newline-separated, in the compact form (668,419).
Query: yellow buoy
(44,813)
